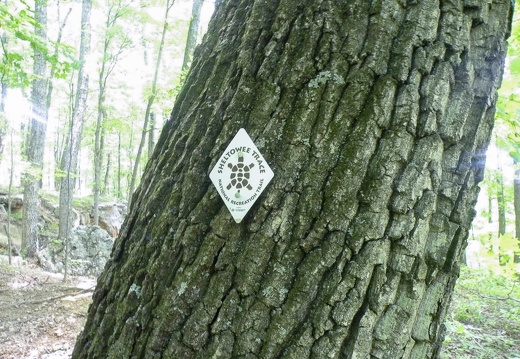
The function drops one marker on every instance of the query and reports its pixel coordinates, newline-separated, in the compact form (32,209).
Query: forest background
(108,73)
(125,44)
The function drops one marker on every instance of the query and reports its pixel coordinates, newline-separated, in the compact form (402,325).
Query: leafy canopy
(16,33)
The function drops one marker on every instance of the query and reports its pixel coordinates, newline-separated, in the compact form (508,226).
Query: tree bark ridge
(375,119)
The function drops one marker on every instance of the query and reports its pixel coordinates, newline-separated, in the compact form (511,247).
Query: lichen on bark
(375,119)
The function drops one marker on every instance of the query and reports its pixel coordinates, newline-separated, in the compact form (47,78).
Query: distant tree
(69,159)
(9,193)
(509,117)
(375,117)
(501,205)
(193,32)
(115,43)
(13,72)
(35,141)
(3,92)
(54,64)
(3,123)
(151,133)
(23,29)
(500,194)
(151,99)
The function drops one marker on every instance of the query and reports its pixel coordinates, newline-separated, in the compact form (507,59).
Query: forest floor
(484,320)
(40,314)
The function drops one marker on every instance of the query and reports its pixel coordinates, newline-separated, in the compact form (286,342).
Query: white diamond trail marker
(240,175)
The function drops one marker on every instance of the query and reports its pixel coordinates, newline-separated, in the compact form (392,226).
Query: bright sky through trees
(127,88)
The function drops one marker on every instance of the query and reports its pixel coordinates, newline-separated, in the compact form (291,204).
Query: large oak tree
(375,117)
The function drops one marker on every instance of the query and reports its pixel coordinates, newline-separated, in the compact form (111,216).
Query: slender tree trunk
(100,130)
(490,206)
(69,160)
(151,134)
(108,63)
(50,84)
(4,40)
(501,203)
(61,139)
(35,141)
(151,99)
(106,180)
(57,156)
(130,158)
(9,192)
(98,153)
(3,124)
(516,189)
(119,192)
(490,216)
(3,96)
(375,118)
(193,32)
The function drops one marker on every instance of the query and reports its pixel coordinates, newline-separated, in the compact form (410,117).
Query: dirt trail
(40,315)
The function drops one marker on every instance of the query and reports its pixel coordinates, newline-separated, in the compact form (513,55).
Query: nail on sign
(240,175)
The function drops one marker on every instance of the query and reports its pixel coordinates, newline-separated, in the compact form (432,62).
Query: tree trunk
(119,192)
(501,203)
(50,85)
(50,89)
(9,192)
(193,33)
(375,120)
(100,129)
(109,60)
(151,134)
(516,190)
(69,159)
(3,123)
(490,205)
(106,180)
(4,40)
(98,153)
(151,99)
(35,141)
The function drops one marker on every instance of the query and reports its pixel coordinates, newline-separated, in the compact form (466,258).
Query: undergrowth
(484,322)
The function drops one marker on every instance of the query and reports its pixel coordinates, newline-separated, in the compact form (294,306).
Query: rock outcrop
(111,217)
(89,249)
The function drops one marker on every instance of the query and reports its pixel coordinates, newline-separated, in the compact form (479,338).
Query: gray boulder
(89,249)
(111,217)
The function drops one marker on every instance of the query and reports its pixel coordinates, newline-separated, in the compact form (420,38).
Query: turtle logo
(240,174)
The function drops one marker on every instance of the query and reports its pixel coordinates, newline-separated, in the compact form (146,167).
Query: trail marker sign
(241,175)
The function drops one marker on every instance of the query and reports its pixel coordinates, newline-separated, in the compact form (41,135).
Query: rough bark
(375,117)
(35,141)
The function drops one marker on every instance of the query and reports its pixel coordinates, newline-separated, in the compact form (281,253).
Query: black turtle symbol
(240,174)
